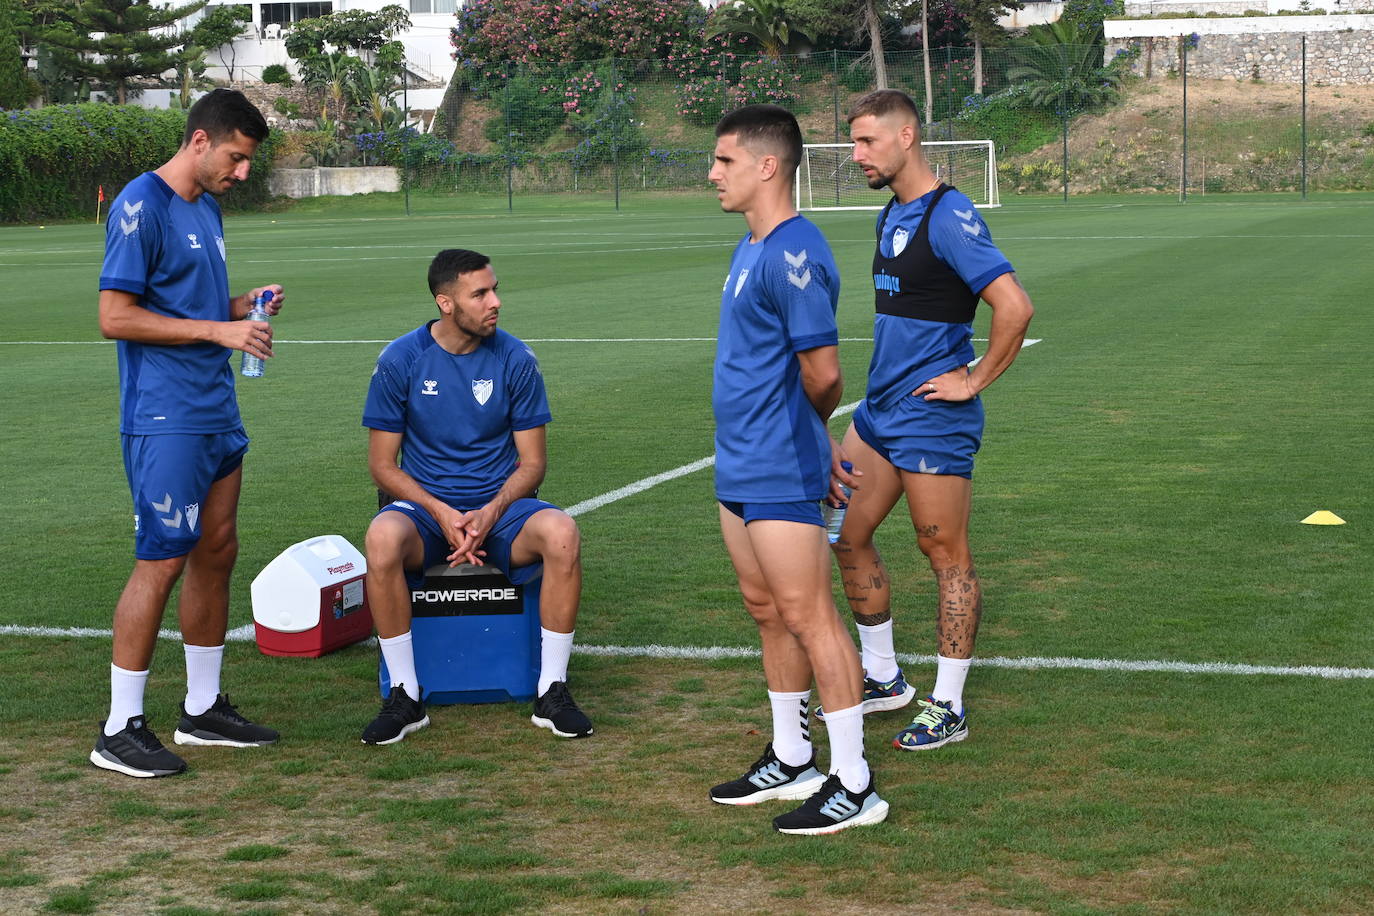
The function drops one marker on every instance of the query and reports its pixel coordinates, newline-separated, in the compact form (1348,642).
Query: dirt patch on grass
(1242,136)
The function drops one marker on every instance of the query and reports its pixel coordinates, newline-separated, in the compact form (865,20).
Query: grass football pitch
(1200,384)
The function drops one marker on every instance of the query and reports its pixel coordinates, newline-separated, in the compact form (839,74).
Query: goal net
(829,179)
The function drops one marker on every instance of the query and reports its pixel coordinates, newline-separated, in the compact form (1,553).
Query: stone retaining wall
(1268,49)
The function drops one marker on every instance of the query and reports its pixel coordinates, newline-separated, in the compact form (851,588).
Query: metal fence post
(1183,70)
(1304,117)
(510,143)
(1064,127)
(405,133)
(615,142)
(835,89)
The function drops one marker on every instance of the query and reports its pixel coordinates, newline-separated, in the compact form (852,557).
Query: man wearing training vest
(921,422)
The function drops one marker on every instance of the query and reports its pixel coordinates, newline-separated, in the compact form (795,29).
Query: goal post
(829,179)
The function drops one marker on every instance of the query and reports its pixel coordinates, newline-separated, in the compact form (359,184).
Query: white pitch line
(1030,663)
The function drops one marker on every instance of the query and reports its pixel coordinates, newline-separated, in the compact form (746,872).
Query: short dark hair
(769,128)
(451,263)
(222,112)
(883,102)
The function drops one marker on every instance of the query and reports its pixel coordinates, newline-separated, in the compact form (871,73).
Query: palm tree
(1061,70)
(763,20)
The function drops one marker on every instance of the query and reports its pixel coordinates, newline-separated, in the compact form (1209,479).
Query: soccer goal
(828,178)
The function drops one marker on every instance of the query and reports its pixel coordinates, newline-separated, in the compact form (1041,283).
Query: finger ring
(931,387)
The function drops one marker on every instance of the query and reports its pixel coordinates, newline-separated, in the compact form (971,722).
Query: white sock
(949,682)
(791,726)
(126,697)
(202,677)
(846,728)
(554,651)
(879,657)
(400,663)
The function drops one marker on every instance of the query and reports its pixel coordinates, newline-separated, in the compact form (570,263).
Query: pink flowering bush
(491,34)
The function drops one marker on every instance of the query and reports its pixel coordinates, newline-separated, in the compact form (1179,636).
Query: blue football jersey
(170,254)
(908,351)
(779,299)
(457,413)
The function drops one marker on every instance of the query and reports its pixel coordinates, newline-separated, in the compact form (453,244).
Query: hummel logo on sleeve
(131,211)
(964,214)
(796,260)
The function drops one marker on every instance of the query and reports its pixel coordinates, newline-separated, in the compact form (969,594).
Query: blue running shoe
(934,726)
(894,694)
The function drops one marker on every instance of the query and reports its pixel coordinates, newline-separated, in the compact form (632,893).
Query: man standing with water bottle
(164,296)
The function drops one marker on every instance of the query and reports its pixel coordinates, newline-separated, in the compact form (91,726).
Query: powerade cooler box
(312,599)
(475,635)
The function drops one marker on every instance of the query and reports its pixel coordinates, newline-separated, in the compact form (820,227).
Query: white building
(263,43)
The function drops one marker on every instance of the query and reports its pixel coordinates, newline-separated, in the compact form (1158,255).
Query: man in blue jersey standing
(921,420)
(776,382)
(164,295)
(462,405)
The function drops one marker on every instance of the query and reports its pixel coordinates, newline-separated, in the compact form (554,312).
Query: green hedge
(52,159)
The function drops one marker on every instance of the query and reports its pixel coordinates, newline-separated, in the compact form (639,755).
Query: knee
(562,542)
(760,607)
(219,546)
(944,553)
(383,546)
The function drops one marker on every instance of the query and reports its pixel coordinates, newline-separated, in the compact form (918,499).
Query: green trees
(130,45)
(766,21)
(351,57)
(981,18)
(1056,72)
(16,86)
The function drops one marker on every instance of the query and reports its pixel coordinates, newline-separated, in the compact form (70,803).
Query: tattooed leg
(960,609)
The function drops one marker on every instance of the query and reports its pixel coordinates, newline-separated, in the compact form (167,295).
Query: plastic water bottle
(252,367)
(834,515)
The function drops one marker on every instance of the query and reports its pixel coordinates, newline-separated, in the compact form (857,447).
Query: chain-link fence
(1062,119)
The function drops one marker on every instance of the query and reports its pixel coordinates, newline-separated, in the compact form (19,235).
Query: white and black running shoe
(769,778)
(399,717)
(557,711)
(221,726)
(135,751)
(832,809)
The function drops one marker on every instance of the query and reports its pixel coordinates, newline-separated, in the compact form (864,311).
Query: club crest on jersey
(899,239)
(192,515)
(739,284)
(481,389)
(219,243)
(431,387)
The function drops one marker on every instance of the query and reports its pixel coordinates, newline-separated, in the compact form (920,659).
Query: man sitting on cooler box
(462,405)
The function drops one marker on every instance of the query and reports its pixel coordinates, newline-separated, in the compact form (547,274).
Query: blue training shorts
(497,544)
(924,437)
(808,512)
(170,478)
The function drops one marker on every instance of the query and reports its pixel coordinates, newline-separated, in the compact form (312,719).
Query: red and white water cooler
(312,599)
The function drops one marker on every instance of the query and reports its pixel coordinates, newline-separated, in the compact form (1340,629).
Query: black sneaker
(770,778)
(221,726)
(557,711)
(399,717)
(832,809)
(135,751)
